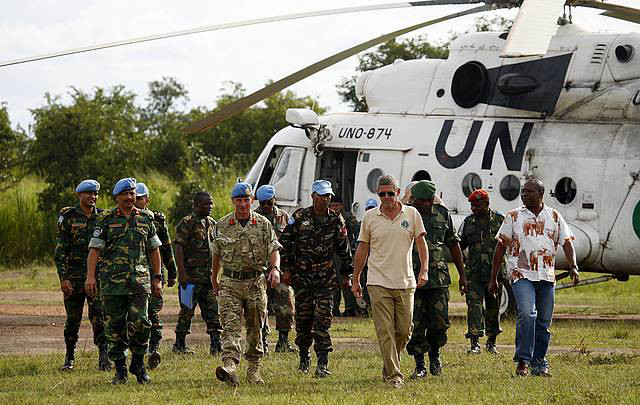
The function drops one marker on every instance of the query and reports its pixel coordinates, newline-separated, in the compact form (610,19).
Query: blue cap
(265,192)
(142,189)
(241,189)
(126,184)
(371,203)
(321,187)
(88,186)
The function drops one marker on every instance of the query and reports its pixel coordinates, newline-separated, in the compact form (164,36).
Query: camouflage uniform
(350,306)
(480,238)
(431,305)
(279,298)
(309,244)
(196,234)
(168,262)
(244,253)
(125,282)
(72,248)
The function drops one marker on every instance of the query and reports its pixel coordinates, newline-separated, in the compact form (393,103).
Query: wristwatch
(156,277)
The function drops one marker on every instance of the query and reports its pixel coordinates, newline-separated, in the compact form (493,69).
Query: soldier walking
(309,242)
(279,298)
(245,243)
(168,262)
(75,227)
(126,239)
(431,305)
(478,234)
(194,252)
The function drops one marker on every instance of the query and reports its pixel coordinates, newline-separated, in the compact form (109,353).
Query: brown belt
(241,275)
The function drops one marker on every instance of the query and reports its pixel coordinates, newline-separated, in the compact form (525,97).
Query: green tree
(13,146)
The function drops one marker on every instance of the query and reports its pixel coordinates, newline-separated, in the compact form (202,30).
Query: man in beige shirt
(386,237)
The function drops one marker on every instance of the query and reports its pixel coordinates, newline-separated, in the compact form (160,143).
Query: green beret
(423,190)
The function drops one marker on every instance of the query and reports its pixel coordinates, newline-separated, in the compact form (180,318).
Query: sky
(202,62)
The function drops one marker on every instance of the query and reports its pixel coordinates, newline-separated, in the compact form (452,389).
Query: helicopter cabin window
(286,174)
(470,183)
(510,187)
(372,179)
(269,167)
(565,190)
(421,175)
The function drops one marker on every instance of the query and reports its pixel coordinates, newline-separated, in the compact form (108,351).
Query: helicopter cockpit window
(270,166)
(510,187)
(286,175)
(565,190)
(470,183)
(469,84)
(421,175)
(372,179)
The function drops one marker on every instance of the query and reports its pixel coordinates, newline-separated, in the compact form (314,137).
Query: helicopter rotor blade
(236,24)
(236,107)
(611,10)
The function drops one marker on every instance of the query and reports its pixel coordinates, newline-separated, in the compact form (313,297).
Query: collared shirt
(390,244)
(72,242)
(196,234)
(278,220)
(532,242)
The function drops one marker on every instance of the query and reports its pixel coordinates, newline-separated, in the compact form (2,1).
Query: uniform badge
(306,223)
(97,232)
(404,224)
(60,219)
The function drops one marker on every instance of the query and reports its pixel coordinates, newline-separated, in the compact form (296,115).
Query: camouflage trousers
(155,306)
(477,314)
(204,297)
(430,320)
(280,299)
(238,298)
(314,305)
(74,307)
(127,324)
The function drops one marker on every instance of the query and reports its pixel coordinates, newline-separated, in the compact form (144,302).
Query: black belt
(241,275)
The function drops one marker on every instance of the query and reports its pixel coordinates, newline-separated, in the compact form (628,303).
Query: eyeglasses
(386,193)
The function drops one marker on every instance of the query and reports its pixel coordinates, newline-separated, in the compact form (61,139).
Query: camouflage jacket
(166,250)
(245,248)
(481,241)
(353,228)
(278,221)
(72,242)
(309,247)
(196,234)
(440,234)
(124,243)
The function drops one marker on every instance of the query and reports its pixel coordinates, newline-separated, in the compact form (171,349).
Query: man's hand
(574,275)
(90,286)
(423,278)
(356,289)
(274,277)
(286,277)
(493,287)
(66,287)
(171,282)
(156,288)
(182,278)
(346,282)
(463,285)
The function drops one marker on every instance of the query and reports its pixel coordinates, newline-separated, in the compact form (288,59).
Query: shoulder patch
(60,219)
(65,210)
(499,213)
(291,220)
(97,232)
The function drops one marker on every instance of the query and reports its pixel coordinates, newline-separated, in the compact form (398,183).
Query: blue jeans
(535,301)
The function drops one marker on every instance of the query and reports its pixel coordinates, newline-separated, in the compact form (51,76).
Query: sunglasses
(386,194)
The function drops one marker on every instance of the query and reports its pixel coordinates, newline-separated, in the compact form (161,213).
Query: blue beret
(371,203)
(126,184)
(142,189)
(321,187)
(265,192)
(241,189)
(88,185)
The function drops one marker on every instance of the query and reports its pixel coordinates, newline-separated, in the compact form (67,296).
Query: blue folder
(185,295)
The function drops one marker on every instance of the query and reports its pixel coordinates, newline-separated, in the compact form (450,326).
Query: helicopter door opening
(282,170)
(339,167)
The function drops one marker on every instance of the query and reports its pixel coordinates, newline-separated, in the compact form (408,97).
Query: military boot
(322,368)
(265,345)
(69,359)
(253,374)
(435,364)
(228,373)
(137,368)
(215,348)
(180,346)
(491,345)
(103,359)
(283,345)
(421,370)
(154,354)
(475,346)
(121,372)
(305,360)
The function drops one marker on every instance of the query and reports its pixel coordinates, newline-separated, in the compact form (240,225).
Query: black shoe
(215,348)
(283,345)
(336,312)
(154,355)
(121,372)
(305,361)
(137,368)
(69,359)
(491,345)
(474,348)
(180,346)
(421,370)
(435,364)
(103,359)
(322,368)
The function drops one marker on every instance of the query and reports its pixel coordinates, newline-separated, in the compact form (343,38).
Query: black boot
(103,359)
(322,368)
(137,368)
(121,372)
(305,360)
(435,364)
(265,345)
(69,359)
(474,348)
(216,347)
(491,345)
(154,354)
(180,346)
(421,370)
(283,345)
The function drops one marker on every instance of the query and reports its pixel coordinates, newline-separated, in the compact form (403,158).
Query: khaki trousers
(392,313)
